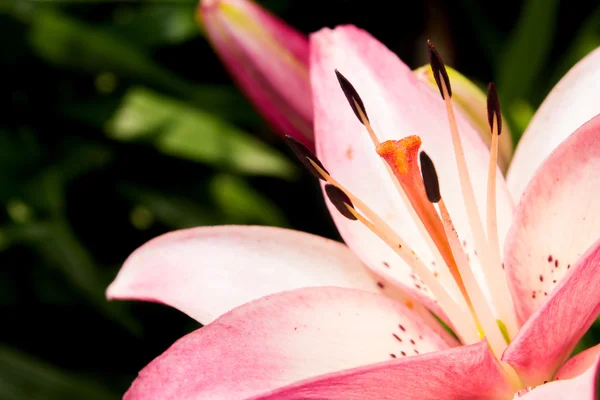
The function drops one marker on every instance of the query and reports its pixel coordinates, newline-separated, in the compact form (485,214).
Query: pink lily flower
(267,58)
(292,316)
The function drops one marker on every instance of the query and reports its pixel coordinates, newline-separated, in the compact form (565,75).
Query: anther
(439,70)
(493,108)
(304,155)
(340,200)
(352,96)
(430,178)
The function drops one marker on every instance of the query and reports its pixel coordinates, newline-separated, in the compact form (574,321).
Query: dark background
(80,189)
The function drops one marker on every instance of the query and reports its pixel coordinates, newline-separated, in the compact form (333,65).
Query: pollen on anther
(304,155)
(352,96)
(340,200)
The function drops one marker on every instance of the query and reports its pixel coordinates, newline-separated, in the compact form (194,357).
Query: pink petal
(550,335)
(398,105)
(580,363)
(556,220)
(572,102)
(468,372)
(267,58)
(283,338)
(205,272)
(581,387)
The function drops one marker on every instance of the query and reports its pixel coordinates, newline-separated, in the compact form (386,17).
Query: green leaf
(174,211)
(67,42)
(156,24)
(586,40)
(527,50)
(242,204)
(176,129)
(23,377)
(56,242)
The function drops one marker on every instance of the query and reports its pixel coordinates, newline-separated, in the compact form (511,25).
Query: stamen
(464,327)
(499,291)
(360,111)
(352,96)
(496,274)
(304,155)
(476,299)
(340,200)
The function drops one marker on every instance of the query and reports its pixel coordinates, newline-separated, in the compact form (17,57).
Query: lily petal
(267,58)
(281,339)
(557,219)
(549,336)
(572,102)
(581,387)
(205,272)
(398,105)
(468,372)
(580,363)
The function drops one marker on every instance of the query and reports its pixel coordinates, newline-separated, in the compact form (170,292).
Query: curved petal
(578,364)
(572,102)
(205,272)
(283,338)
(267,58)
(550,335)
(398,105)
(582,387)
(557,219)
(468,372)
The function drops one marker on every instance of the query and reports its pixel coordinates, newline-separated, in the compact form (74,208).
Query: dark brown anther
(430,178)
(493,107)
(352,96)
(340,200)
(438,69)
(304,155)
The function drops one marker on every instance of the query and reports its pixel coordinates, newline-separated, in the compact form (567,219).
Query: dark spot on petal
(397,337)
(502,265)
(554,281)
(550,258)
(556,263)
(385,264)
(416,351)
(412,341)
(399,246)
(392,355)
(381,285)
(541,278)
(403,353)
(545,293)
(533,294)
(421,337)
(401,328)
(568,266)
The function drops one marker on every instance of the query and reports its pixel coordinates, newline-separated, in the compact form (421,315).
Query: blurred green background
(118,123)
